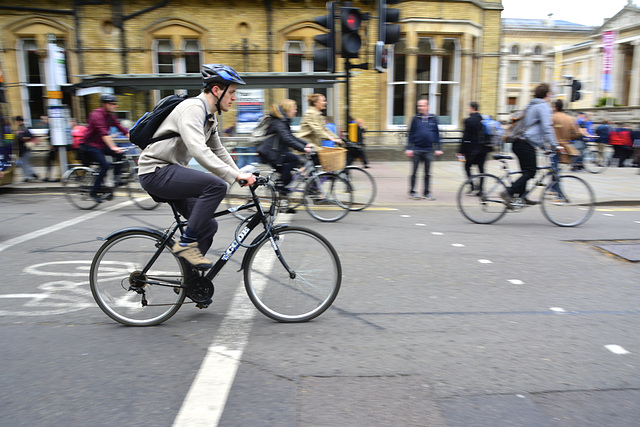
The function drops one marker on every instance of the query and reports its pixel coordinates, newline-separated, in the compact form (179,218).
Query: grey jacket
(539,126)
(199,138)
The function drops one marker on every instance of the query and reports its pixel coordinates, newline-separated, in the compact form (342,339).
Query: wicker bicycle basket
(332,158)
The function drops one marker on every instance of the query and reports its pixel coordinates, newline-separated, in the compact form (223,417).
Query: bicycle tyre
(118,261)
(363,186)
(140,197)
(594,162)
(487,207)
(572,206)
(77,184)
(317,275)
(238,196)
(327,197)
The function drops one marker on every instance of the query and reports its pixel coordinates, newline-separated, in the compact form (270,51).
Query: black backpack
(141,134)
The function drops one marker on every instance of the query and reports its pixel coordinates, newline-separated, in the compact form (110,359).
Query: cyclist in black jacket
(275,150)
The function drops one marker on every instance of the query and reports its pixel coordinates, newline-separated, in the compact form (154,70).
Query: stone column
(525,94)
(618,73)
(634,89)
(411,66)
(502,86)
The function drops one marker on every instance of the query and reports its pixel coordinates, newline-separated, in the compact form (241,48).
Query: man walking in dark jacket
(424,142)
(473,146)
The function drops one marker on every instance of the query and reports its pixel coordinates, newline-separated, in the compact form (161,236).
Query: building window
(447,87)
(295,64)
(515,50)
(513,71)
(537,50)
(397,85)
(191,61)
(164,62)
(32,69)
(512,104)
(536,72)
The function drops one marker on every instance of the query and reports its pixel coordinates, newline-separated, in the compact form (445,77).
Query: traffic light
(351,41)
(575,90)
(388,32)
(324,59)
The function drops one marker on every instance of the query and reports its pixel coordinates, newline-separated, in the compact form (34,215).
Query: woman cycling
(163,165)
(312,126)
(275,149)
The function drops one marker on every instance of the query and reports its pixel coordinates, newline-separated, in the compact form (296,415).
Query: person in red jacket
(620,139)
(98,142)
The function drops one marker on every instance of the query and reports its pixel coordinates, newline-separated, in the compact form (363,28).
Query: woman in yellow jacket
(312,126)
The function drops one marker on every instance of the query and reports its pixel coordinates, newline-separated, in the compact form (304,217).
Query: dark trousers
(289,161)
(195,194)
(98,155)
(475,159)
(527,158)
(424,157)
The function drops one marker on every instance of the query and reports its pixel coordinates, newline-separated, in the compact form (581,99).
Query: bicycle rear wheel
(594,162)
(304,291)
(363,186)
(238,196)
(328,197)
(479,199)
(77,184)
(569,202)
(141,198)
(120,289)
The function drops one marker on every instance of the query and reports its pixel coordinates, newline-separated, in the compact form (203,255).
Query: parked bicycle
(291,274)
(593,160)
(78,181)
(327,196)
(566,200)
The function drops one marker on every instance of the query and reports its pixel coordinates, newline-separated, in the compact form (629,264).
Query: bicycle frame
(259,218)
(541,179)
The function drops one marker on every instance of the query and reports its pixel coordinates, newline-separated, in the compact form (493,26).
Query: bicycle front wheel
(294,276)
(328,197)
(594,162)
(125,294)
(140,197)
(77,184)
(568,202)
(238,196)
(479,199)
(363,187)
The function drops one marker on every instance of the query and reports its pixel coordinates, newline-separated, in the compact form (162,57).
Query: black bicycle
(77,183)
(566,200)
(291,274)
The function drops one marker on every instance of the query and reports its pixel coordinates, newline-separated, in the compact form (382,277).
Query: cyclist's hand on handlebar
(308,148)
(246,179)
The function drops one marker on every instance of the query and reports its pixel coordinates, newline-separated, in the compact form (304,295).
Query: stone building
(449,51)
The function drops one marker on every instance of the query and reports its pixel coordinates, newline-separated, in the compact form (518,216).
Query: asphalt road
(439,322)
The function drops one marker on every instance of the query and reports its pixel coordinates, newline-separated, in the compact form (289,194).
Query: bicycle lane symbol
(57,296)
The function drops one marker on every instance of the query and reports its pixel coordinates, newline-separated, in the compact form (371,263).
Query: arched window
(515,49)
(537,50)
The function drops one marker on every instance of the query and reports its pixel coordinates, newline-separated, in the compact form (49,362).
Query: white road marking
(405,216)
(608,214)
(616,349)
(205,401)
(485,261)
(457,245)
(62,225)
(516,282)
(420,225)
(557,309)
(437,233)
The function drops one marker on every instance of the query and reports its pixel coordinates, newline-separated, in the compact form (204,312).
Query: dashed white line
(557,309)
(516,282)
(616,349)
(485,261)
(457,245)
(437,233)
(420,225)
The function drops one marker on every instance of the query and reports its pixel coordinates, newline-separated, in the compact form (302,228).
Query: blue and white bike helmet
(220,73)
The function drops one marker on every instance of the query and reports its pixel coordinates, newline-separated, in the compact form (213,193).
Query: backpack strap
(174,134)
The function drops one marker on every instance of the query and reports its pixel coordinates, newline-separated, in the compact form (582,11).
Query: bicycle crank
(199,289)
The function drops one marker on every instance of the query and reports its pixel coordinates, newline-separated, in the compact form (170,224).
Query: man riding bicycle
(98,143)
(163,165)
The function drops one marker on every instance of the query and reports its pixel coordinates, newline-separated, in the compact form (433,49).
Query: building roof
(543,24)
